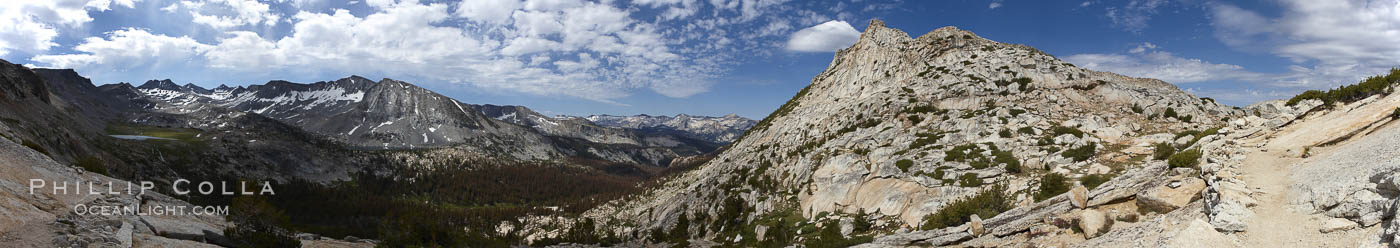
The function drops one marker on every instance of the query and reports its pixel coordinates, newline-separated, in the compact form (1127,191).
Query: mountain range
(944,139)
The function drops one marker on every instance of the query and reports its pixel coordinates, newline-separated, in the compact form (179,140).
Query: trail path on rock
(1274,223)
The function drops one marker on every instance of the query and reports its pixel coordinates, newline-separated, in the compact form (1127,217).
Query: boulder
(1199,234)
(760,232)
(1079,196)
(1166,198)
(308,236)
(1184,140)
(1337,224)
(1093,222)
(975,227)
(847,227)
(1099,169)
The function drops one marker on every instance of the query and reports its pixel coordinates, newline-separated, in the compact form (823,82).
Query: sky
(699,57)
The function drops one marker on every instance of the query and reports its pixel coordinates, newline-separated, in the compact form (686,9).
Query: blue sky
(706,57)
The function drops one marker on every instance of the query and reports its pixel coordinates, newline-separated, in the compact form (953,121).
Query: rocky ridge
(392,114)
(892,126)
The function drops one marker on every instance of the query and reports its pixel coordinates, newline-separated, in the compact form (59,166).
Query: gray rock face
(1166,198)
(46,218)
(1356,181)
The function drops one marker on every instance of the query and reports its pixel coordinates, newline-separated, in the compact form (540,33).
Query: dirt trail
(1275,223)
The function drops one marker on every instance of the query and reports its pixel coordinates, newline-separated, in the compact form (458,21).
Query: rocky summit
(951,139)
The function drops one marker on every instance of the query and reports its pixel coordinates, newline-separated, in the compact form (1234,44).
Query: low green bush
(1004,133)
(34,146)
(1051,185)
(1094,180)
(1081,153)
(1009,160)
(962,153)
(1161,151)
(1185,159)
(1026,130)
(92,164)
(1349,93)
(986,204)
(904,164)
(1062,130)
(969,180)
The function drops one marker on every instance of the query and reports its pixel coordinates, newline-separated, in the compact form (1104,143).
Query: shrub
(986,204)
(969,180)
(1005,133)
(1395,114)
(862,221)
(915,119)
(1161,151)
(1137,109)
(904,164)
(1017,112)
(681,232)
(1022,81)
(1080,153)
(1062,130)
(962,153)
(1170,113)
(1026,130)
(1051,185)
(34,146)
(1185,159)
(1350,93)
(1012,164)
(258,224)
(1310,94)
(979,164)
(1094,180)
(923,109)
(92,164)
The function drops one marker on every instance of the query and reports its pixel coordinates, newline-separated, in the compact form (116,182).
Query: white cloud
(1143,48)
(1135,15)
(598,50)
(1330,42)
(171,8)
(825,37)
(127,49)
(1146,61)
(994,5)
(225,14)
(488,11)
(31,26)
(380,4)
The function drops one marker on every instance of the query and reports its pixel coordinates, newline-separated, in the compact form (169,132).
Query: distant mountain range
(392,114)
